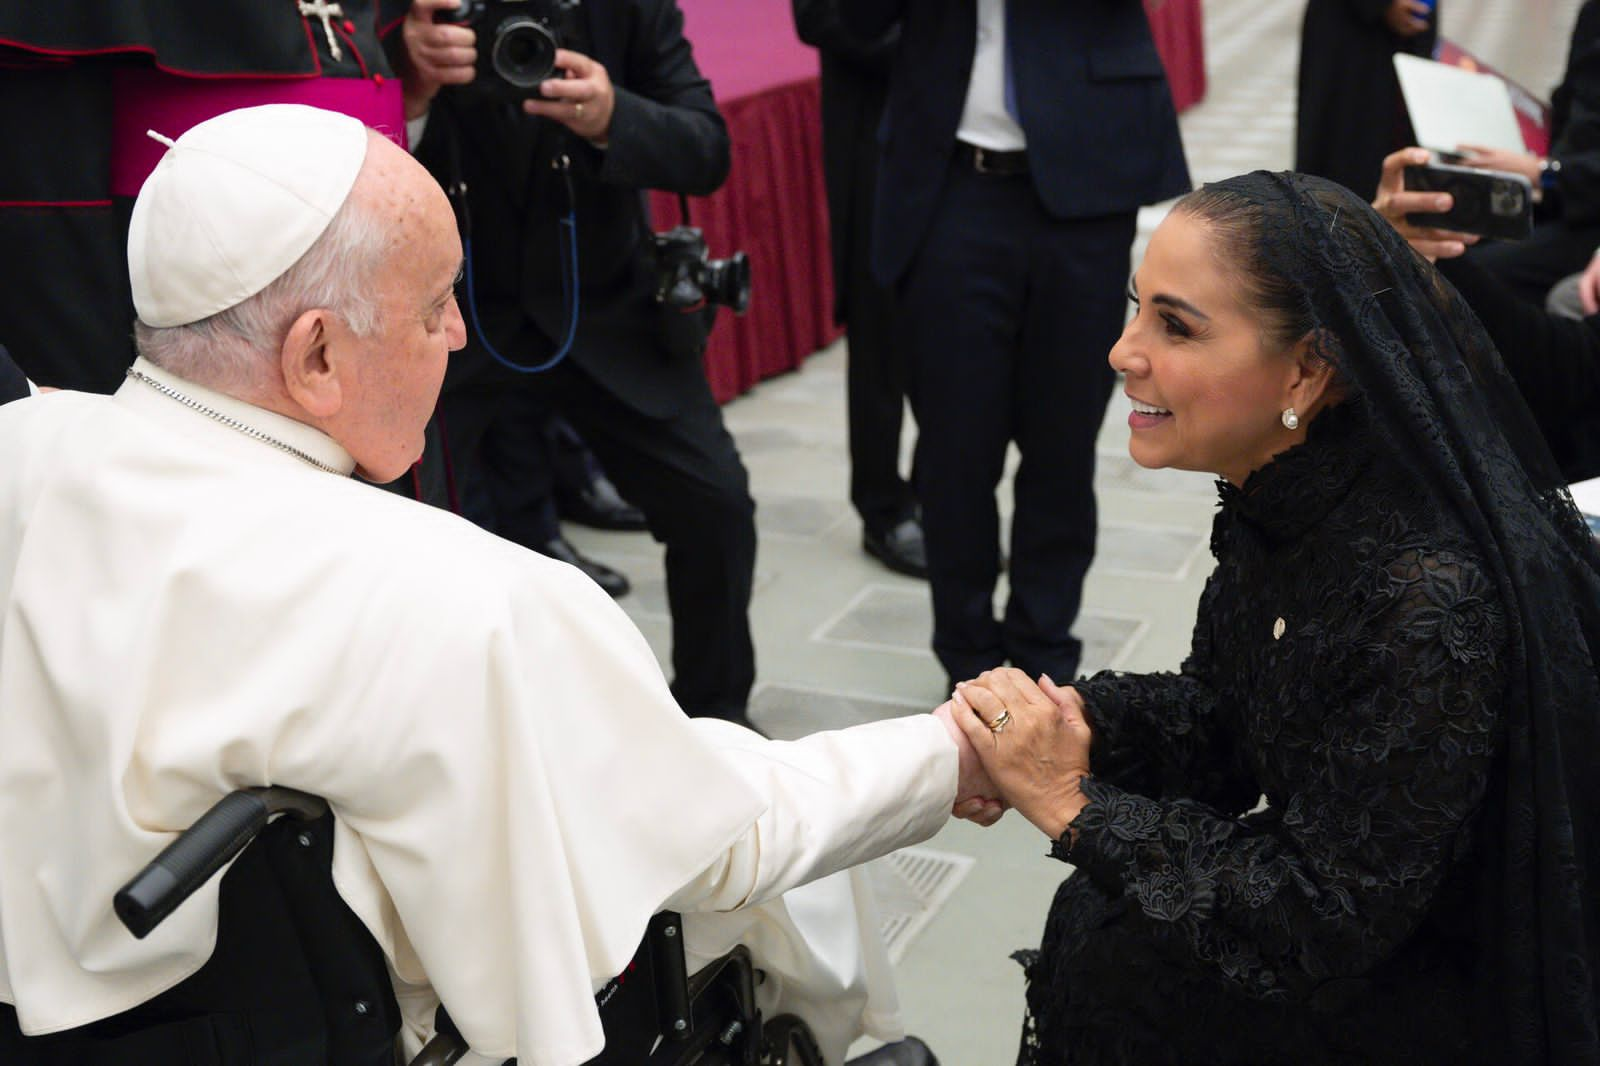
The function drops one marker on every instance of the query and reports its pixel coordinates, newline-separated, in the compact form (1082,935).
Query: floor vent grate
(911,886)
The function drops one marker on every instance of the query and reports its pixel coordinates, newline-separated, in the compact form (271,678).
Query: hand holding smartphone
(1489,203)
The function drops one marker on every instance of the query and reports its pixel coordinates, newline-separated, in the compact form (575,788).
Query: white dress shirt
(985,122)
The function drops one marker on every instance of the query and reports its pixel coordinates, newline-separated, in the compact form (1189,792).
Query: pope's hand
(1041,751)
(1395,201)
(977,800)
(437,54)
(582,100)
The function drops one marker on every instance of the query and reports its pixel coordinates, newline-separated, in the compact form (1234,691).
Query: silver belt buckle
(979,160)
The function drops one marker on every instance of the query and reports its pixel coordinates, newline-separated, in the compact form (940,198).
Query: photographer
(624,110)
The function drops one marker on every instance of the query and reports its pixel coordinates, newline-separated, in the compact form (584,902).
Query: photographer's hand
(1395,201)
(437,54)
(583,100)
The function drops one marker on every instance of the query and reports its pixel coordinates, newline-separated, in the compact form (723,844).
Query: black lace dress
(1348,664)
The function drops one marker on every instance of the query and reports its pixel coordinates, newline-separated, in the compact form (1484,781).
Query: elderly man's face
(397,373)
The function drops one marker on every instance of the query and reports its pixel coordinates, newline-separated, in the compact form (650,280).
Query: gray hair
(232,350)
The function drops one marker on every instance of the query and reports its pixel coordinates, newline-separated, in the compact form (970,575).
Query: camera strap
(456,190)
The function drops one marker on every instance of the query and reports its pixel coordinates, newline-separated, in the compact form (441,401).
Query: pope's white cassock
(187,610)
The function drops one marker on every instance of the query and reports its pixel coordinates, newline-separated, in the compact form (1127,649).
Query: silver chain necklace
(232,423)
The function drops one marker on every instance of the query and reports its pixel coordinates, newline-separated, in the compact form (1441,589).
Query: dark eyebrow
(1182,305)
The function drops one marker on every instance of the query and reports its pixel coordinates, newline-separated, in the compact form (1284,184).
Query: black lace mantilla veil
(1436,398)
(1439,400)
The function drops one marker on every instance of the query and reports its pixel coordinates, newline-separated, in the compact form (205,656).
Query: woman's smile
(1146,415)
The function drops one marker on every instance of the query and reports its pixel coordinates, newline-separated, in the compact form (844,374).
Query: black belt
(989,161)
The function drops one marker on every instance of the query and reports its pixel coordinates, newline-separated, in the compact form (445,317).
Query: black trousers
(875,376)
(1009,315)
(684,472)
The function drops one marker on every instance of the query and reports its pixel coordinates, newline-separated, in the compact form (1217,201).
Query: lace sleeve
(1372,817)
(1159,733)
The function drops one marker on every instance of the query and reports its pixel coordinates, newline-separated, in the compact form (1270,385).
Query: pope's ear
(310,372)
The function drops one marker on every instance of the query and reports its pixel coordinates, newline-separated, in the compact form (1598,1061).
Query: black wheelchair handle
(203,849)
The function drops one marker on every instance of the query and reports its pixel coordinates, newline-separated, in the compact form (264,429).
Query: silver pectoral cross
(326,12)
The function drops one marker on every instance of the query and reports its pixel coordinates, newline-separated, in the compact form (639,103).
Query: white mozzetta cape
(187,611)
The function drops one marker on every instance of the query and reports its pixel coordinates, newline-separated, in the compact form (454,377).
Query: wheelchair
(297,980)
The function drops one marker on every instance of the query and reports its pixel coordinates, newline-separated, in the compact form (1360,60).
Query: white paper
(1586,494)
(1450,107)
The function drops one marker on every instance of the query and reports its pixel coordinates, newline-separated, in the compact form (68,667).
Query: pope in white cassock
(197,597)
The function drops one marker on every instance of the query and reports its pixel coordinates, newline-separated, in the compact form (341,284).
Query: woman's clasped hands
(1032,741)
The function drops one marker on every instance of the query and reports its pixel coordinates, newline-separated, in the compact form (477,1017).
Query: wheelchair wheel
(789,1042)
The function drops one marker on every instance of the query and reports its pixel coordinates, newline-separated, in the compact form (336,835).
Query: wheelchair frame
(708,1019)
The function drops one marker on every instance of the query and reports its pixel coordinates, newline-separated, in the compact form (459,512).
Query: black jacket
(1555,361)
(1575,123)
(666,133)
(1092,93)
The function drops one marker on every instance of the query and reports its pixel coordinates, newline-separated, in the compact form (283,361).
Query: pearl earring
(1290,419)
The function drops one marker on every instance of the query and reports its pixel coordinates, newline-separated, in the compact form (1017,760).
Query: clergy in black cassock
(1349,113)
(65,310)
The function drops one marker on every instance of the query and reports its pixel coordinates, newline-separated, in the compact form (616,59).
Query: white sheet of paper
(1586,494)
(1450,107)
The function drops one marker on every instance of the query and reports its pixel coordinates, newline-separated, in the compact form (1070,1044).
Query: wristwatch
(1549,173)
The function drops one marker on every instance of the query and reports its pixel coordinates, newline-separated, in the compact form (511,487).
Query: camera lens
(524,52)
(1505,198)
(728,281)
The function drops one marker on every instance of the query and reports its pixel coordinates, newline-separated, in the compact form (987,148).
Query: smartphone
(1490,203)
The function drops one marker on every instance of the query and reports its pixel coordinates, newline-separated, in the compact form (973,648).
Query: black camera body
(687,279)
(517,40)
(1490,203)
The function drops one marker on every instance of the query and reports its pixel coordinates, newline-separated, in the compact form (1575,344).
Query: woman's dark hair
(1238,222)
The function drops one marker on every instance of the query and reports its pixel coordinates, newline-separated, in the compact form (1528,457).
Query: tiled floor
(840,640)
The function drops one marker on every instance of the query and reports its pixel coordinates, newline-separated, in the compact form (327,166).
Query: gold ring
(577,108)
(999,722)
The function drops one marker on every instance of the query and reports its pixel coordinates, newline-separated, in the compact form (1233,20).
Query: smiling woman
(1217,384)
(1393,650)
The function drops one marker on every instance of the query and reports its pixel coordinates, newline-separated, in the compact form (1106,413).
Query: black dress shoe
(907,1052)
(599,505)
(899,547)
(615,583)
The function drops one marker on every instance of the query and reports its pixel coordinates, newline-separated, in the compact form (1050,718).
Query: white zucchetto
(234,203)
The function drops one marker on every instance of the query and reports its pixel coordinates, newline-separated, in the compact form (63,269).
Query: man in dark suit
(1020,138)
(632,112)
(855,83)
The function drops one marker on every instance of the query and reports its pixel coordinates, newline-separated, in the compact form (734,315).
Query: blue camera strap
(457,192)
(569,283)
